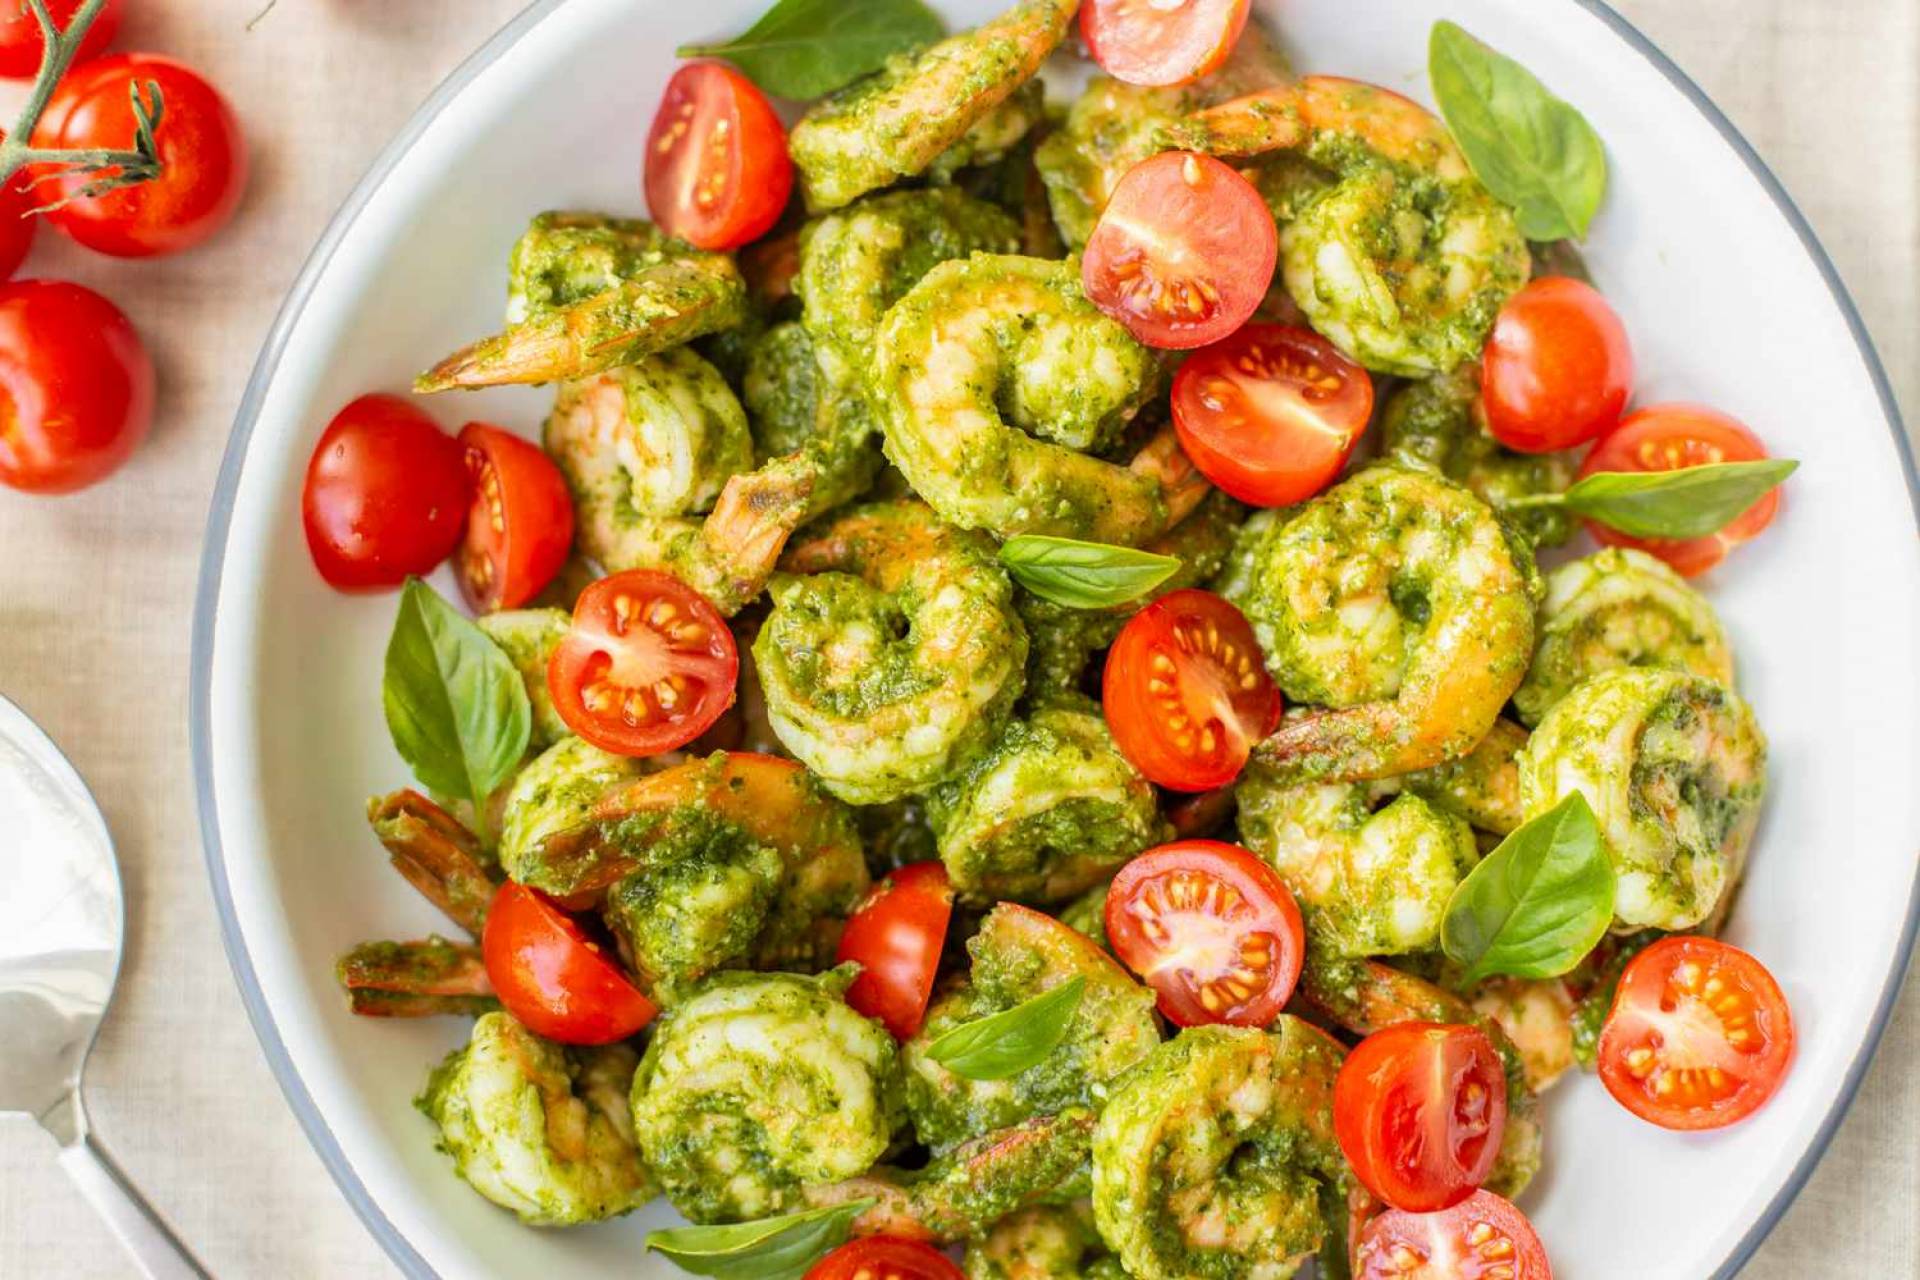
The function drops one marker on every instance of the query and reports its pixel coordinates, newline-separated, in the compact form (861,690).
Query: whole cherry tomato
(1557,368)
(76,386)
(22,47)
(385,496)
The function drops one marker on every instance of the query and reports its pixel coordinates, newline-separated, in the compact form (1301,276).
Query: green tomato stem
(112,168)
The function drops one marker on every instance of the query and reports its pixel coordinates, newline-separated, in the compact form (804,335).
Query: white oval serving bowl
(1728,299)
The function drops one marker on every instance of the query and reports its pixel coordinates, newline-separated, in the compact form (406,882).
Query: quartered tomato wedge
(1186,692)
(1668,437)
(885,1258)
(553,978)
(521,523)
(1557,368)
(1419,1109)
(1183,253)
(1271,413)
(1699,1035)
(1161,42)
(1482,1238)
(1211,928)
(895,935)
(717,172)
(647,666)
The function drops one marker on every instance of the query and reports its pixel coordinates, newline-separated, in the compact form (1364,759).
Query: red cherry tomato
(885,1258)
(76,386)
(1271,412)
(895,935)
(1211,928)
(1557,369)
(1699,1035)
(647,666)
(202,153)
(521,522)
(1667,437)
(1161,42)
(17,221)
(1186,692)
(385,496)
(1482,1238)
(21,46)
(1419,1109)
(717,172)
(1183,253)
(552,977)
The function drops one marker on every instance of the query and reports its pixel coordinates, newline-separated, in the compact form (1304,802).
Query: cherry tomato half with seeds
(1186,692)
(1699,1036)
(1668,437)
(22,46)
(1161,42)
(895,935)
(885,1258)
(76,387)
(1271,413)
(385,496)
(717,171)
(647,666)
(1484,1237)
(521,523)
(1557,368)
(1419,1109)
(1211,928)
(1183,253)
(554,979)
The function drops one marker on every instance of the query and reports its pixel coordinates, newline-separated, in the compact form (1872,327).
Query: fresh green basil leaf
(1084,575)
(1006,1043)
(779,1248)
(1532,150)
(806,48)
(1536,905)
(456,707)
(1689,503)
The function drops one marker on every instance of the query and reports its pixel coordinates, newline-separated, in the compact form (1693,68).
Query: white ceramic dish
(1727,296)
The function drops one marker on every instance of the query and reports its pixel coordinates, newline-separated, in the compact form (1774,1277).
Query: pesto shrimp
(1619,608)
(556,793)
(759,1086)
(435,854)
(1217,1157)
(1482,786)
(1397,600)
(1674,766)
(892,655)
(528,637)
(896,123)
(1537,1015)
(540,1128)
(1046,1242)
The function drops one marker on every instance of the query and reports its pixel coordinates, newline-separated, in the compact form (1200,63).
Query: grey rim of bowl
(221,514)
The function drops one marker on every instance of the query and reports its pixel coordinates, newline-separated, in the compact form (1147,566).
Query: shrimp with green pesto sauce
(1046,1242)
(528,637)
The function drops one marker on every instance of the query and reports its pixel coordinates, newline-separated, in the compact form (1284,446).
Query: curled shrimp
(1537,1015)
(528,637)
(1482,786)
(1046,1242)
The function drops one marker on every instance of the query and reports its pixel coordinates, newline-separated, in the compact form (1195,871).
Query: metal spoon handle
(156,1250)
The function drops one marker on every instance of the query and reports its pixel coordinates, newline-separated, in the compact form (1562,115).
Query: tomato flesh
(1271,413)
(1419,1109)
(385,495)
(1699,1036)
(1211,928)
(717,170)
(895,935)
(1186,691)
(1161,42)
(885,1258)
(1484,1237)
(520,526)
(1183,253)
(647,666)
(22,47)
(1668,437)
(76,387)
(554,979)
(1557,368)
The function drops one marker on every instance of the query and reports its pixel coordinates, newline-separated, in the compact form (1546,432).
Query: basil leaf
(456,707)
(1007,1043)
(779,1248)
(1532,150)
(1689,503)
(1084,575)
(806,48)
(1536,905)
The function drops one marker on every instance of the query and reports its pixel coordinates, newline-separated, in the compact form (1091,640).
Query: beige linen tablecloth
(96,590)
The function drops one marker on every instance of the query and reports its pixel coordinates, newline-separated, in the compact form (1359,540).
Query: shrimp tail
(415,979)
(1182,487)
(741,540)
(1255,124)
(436,855)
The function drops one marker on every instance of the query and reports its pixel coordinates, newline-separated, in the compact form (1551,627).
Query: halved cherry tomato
(1668,437)
(552,977)
(1419,1109)
(521,523)
(1482,1238)
(21,45)
(1557,368)
(1183,253)
(1211,928)
(1161,42)
(1271,413)
(1186,692)
(385,496)
(717,172)
(885,1258)
(1699,1035)
(203,157)
(647,666)
(895,935)
(76,386)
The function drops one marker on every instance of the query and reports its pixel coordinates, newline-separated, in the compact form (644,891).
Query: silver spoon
(61,921)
